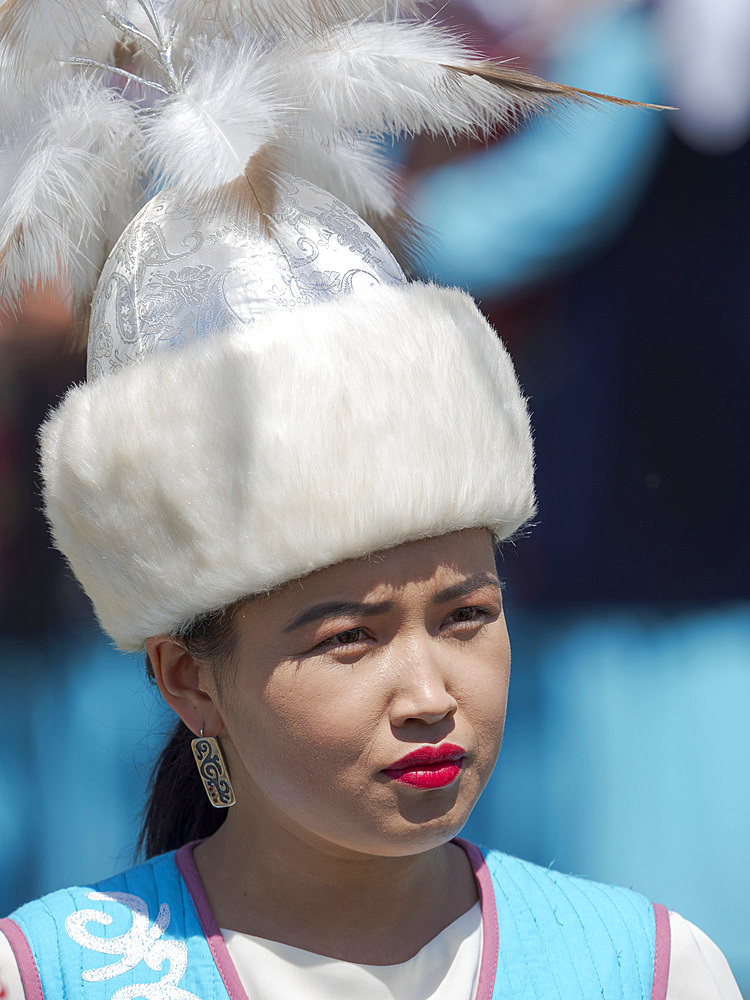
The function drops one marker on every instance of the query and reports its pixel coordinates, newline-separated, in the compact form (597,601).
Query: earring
(213,771)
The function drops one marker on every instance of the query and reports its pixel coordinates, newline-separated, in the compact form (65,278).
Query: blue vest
(148,934)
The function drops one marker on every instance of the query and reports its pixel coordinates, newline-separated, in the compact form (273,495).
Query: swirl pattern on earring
(213,771)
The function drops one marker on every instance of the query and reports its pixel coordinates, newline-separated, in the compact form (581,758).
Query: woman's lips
(429,766)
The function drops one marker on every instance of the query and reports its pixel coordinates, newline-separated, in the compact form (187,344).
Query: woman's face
(340,675)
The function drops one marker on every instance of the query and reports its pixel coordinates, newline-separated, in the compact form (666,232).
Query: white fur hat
(192,479)
(266,393)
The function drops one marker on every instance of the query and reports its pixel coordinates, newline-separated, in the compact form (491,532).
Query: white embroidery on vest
(142,943)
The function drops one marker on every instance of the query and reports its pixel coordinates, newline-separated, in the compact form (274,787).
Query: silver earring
(213,771)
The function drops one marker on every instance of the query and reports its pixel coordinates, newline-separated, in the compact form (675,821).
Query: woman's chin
(419,828)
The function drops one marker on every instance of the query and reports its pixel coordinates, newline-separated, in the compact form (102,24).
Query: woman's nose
(421,693)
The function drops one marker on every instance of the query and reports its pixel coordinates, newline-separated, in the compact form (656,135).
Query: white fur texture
(191,480)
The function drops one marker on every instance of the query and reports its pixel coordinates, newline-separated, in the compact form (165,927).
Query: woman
(360,712)
(284,479)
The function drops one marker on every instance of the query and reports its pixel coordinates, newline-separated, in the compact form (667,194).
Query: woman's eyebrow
(467,586)
(333,609)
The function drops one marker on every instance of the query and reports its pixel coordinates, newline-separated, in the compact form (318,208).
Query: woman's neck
(356,907)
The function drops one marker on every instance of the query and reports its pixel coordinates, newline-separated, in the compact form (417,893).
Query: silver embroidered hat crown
(267,395)
(178,274)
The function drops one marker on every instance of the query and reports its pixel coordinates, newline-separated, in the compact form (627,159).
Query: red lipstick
(429,766)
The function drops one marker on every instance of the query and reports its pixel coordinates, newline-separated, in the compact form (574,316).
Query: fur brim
(194,478)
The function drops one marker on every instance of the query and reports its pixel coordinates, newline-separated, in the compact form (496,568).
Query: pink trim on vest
(662,949)
(32,985)
(490,934)
(186,865)
(490,930)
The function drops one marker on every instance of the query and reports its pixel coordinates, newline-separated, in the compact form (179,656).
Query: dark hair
(177,810)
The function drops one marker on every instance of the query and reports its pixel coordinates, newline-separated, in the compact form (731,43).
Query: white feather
(356,171)
(74,165)
(394,78)
(39,38)
(266,17)
(39,33)
(10,145)
(227,109)
(14,99)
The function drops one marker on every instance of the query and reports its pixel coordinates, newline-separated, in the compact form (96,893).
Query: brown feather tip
(16,239)
(250,198)
(404,236)
(528,86)
(11,20)
(78,337)
(124,53)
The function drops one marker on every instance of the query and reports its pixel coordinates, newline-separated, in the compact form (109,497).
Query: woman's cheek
(486,717)
(319,718)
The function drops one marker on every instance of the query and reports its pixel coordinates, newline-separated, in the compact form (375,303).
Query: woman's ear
(186,685)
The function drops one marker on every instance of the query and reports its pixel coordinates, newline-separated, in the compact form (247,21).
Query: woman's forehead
(428,564)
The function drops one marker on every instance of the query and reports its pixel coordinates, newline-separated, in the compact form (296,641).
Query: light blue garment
(139,933)
(513,213)
(564,938)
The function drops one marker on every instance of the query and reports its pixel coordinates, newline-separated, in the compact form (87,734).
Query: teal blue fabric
(561,938)
(565,938)
(162,949)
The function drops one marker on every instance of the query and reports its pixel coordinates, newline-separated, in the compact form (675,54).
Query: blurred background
(611,249)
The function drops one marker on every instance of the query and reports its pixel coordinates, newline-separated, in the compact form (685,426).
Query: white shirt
(447,966)
(445,969)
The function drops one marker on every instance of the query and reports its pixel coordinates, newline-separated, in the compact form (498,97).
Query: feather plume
(270,17)
(318,81)
(38,33)
(205,138)
(539,94)
(405,78)
(404,236)
(66,177)
(14,99)
(42,41)
(9,145)
(250,197)
(355,170)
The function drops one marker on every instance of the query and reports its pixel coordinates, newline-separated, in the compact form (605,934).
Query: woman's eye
(346,638)
(472,614)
